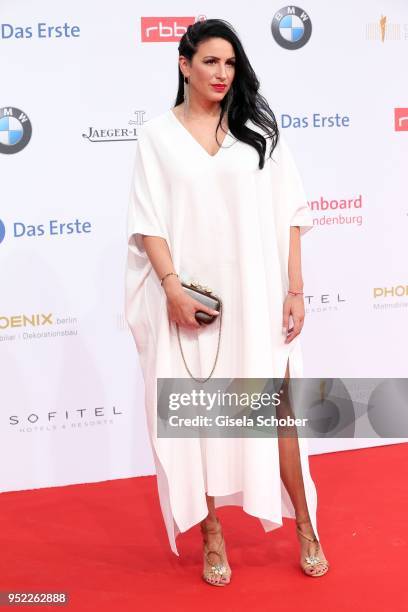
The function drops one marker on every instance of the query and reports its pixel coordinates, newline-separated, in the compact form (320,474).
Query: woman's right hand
(181,308)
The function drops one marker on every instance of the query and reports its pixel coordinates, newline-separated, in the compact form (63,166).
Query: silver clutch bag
(203,294)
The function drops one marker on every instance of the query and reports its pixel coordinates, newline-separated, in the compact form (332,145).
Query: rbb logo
(164,29)
(401,119)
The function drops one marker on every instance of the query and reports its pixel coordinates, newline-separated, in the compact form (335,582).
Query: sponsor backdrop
(78,80)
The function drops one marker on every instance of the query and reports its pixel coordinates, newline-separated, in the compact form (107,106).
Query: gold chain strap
(216,356)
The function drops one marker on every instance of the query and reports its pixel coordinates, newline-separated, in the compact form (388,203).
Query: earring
(186,98)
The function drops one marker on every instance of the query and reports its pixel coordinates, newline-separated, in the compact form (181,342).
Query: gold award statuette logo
(383,30)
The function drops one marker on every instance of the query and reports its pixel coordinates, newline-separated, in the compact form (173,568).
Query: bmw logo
(2,231)
(15,130)
(291,27)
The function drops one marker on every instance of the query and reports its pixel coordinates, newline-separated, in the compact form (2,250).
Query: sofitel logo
(116,134)
(325,302)
(323,298)
(98,415)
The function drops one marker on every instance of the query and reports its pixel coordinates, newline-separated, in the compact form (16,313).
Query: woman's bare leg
(291,474)
(213,539)
(289,457)
(211,517)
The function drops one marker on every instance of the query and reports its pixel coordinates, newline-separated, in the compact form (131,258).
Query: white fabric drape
(227,224)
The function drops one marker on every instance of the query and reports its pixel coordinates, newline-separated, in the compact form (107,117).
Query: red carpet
(106,546)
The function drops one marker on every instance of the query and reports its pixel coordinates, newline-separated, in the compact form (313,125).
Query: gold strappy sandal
(218,574)
(313,561)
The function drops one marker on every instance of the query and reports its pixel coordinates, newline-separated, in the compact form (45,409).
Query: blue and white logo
(10,31)
(291,27)
(51,228)
(15,130)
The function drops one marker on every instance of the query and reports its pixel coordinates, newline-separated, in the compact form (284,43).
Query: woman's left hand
(293,305)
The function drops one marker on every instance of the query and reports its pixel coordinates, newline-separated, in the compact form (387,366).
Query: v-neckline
(183,127)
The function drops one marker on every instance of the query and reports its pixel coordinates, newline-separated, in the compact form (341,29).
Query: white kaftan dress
(227,224)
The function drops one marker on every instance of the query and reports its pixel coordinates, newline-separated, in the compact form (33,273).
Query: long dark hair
(246,101)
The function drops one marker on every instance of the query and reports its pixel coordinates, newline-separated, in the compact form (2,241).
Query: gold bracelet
(166,275)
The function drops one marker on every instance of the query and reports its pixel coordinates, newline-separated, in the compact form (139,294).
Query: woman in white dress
(211,201)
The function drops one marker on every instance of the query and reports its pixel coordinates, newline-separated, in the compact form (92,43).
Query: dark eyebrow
(215,57)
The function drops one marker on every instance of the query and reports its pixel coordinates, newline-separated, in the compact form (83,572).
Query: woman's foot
(216,568)
(312,560)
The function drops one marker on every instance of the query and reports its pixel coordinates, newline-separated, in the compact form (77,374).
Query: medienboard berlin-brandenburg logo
(15,130)
(291,27)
